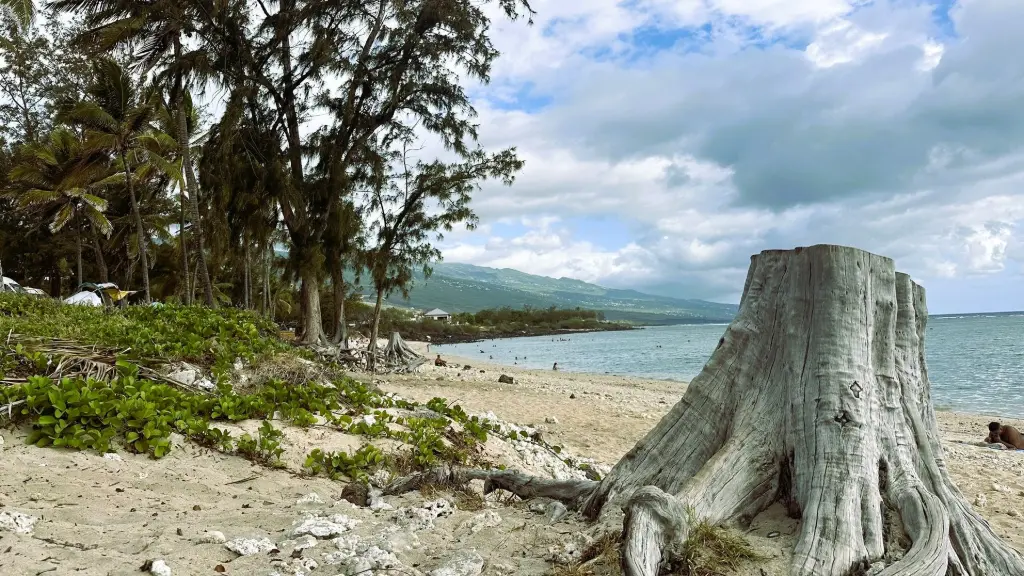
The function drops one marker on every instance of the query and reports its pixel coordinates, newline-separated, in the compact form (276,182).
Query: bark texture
(817,396)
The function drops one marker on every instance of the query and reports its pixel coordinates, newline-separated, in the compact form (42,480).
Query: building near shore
(437,314)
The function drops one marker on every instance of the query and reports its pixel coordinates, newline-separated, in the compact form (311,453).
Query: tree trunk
(186,293)
(268,260)
(372,348)
(247,281)
(340,323)
(101,262)
(182,136)
(312,320)
(139,229)
(78,250)
(817,397)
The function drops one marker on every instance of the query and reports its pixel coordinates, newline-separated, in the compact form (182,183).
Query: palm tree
(157,27)
(61,176)
(118,120)
(24,11)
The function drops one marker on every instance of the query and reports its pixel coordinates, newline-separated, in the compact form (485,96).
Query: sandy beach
(110,515)
(609,414)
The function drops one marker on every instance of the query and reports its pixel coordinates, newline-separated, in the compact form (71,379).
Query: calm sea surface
(975,363)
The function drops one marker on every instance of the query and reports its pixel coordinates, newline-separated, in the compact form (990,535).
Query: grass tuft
(712,551)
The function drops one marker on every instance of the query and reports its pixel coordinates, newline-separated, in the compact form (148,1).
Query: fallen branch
(569,492)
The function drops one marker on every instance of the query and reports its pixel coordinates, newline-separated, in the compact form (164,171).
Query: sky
(666,141)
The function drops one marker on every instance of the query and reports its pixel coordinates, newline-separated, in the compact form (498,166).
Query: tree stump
(398,355)
(817,396)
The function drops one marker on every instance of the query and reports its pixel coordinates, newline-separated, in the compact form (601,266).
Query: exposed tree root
(569,492)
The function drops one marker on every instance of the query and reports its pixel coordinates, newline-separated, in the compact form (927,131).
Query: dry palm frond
(73,360)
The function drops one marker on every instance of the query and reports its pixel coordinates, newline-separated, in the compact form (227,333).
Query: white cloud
(874,134)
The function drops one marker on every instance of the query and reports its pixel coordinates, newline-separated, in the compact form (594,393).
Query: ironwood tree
(371,65)
(413,205)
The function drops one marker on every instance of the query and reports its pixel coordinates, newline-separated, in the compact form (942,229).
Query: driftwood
(817,397)
(570,492)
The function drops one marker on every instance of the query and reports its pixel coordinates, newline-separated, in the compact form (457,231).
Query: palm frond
(98,220)
(37,196)
(93,117)
(63,216)
(24,11)
(94,202)
(117,178)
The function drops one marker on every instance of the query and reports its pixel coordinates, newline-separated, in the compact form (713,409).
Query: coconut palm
(62,177)
(155,29)
(118,119)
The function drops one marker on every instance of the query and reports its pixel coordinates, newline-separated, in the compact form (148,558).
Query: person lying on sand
(1006,435)
(439,362)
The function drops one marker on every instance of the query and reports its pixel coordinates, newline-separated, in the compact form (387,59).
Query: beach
(104,515)
(610,414)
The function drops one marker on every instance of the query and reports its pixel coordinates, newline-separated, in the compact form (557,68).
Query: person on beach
(555,367)
(1006,435)
(439,362)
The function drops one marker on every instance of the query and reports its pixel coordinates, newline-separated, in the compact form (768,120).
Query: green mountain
(468,288)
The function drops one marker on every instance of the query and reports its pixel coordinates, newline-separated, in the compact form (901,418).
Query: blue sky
(668,140)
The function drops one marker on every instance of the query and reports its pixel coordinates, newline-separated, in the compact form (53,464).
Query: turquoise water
(975,363)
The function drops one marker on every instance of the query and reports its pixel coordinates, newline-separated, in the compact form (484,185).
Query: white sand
(100,516)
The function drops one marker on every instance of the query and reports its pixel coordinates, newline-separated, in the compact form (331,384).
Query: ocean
(975,362)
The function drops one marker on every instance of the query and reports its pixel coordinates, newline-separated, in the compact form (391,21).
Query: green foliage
(91,414)
(141,415)
(491,323)
(265,448)
(167,332)
(338,465)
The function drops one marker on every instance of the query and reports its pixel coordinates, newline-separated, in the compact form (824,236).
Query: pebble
(555,511)
(159,568)
(980,501)
(17,522)
(250,546)
(212,537)
(311,498)
(325,527)
(487,519)
(551,420)
(305,542)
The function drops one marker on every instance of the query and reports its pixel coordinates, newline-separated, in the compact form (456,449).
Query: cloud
(714,129)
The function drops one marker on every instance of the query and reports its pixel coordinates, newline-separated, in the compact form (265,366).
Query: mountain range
(469,288)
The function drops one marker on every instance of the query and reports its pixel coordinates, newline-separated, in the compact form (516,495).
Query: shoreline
(477,385)
(452,339)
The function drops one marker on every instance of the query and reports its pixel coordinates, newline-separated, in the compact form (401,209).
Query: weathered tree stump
(399,356)
(817,396)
